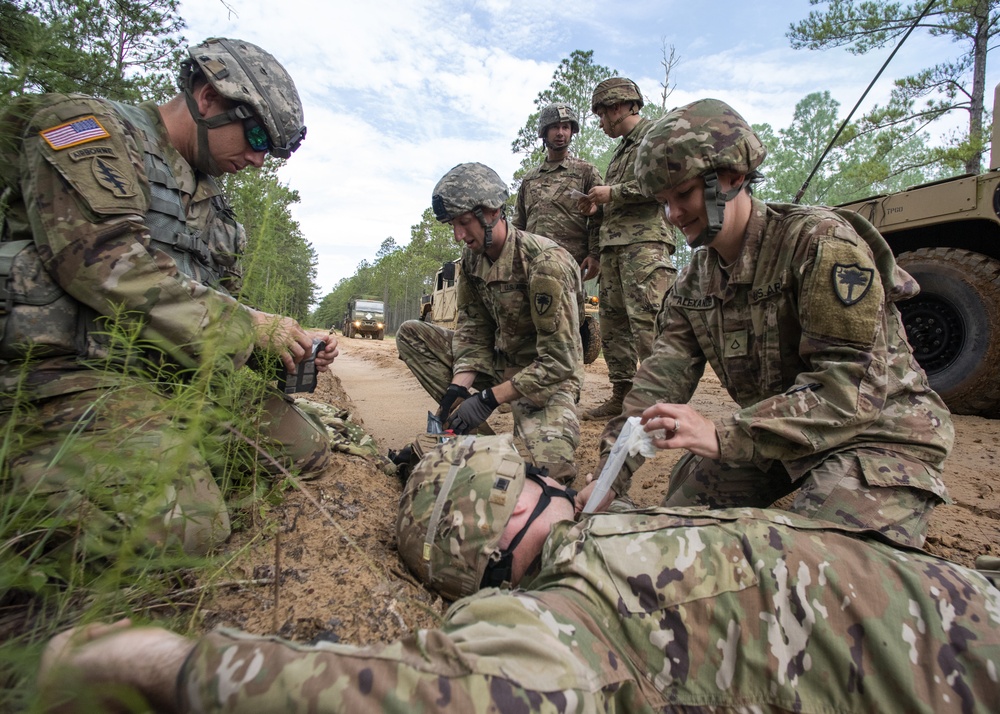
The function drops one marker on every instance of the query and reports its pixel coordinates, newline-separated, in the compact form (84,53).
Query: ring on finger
(677,425)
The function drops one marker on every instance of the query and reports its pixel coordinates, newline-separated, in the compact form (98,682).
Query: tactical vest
(35,310)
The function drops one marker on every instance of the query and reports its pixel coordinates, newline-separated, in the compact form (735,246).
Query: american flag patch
(78,131)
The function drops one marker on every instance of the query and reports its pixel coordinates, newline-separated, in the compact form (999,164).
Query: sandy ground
(340,577)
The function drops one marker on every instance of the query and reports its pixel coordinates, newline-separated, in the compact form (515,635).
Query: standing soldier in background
(546,205)
(114,225)
(518,335)
(794,307)
(636,245)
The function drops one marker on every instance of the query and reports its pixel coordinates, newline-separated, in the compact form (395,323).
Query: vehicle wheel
(590,334)
(380,335)
(953,325)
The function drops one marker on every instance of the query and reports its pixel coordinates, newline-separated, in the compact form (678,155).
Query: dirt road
(334,545)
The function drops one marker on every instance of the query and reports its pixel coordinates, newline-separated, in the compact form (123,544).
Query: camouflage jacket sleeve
(520,219)
(670,375)
(87,213)
(494,653)
(594,222)
(553,290)
(475,334)
(630,216)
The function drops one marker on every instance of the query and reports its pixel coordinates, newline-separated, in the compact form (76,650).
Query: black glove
(455,392)
(473,412)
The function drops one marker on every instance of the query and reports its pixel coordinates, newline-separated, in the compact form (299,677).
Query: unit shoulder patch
(545,294)
(851,282)
(109,177)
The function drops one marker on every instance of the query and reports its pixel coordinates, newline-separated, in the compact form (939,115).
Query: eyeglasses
(256,135)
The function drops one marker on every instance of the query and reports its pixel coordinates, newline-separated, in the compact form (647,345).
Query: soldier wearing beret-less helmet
(794,308)
(112,215)
(517,340)
(635,243)
(547,204)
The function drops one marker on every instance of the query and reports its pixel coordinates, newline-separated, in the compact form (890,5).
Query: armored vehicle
(946,234)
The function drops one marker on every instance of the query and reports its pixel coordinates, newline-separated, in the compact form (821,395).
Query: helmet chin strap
(622,118)
(487,227)
(203,160)
(715,208)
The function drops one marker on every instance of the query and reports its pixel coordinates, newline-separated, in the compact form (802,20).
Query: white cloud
(398,92)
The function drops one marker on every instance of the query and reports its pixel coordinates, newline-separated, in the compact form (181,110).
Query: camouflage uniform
(545,207)
(518,319)
(805,336)
(658,610)
(117,226)
(636,270)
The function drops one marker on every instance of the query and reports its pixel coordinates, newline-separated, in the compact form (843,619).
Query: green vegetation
(957,84)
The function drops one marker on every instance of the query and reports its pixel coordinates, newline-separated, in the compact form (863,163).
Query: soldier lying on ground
(112,215)
(794,307)
(653,610)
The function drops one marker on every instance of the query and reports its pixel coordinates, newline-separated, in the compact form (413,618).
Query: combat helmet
(699,139)
(454,509)
(252,78)
(470,187)
(556,113)
(615,90)
(455,506)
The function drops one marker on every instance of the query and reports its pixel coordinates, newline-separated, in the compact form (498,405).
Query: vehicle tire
(953,325)
(380,335)
(590,335)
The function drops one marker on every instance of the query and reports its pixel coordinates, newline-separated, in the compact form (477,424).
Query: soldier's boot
(613,406)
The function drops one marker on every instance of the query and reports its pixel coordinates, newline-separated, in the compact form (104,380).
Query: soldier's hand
(684,428)
(473,412)
(590,268)
(325,357)
(454,393)
(283,337)
(100,667)
(599,195)
(583,495)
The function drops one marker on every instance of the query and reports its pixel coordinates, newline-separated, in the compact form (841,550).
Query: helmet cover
(454,509)
(248,75)
(698,138)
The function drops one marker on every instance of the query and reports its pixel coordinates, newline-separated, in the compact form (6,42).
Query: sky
(397,92)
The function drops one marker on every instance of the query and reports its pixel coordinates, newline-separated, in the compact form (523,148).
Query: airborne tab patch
(78,131)
(112,179)
(851,282)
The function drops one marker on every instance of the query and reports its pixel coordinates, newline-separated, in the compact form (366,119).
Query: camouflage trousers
(836,491)
(634,278)
(123,465)
(550,433)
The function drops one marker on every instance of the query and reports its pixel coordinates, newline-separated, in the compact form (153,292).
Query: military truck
(365,317)
(441,308)
(946,234)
